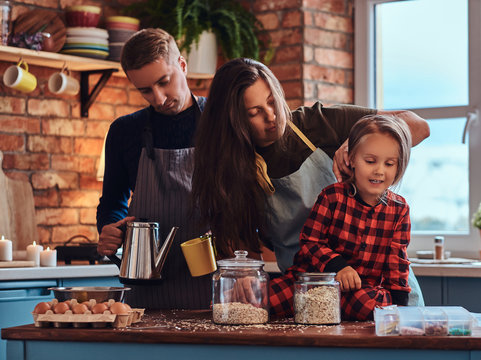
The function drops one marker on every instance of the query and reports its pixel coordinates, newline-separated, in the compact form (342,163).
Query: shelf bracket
(86,99)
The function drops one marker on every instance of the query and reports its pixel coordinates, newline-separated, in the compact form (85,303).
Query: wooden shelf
(57,61)
(86,66)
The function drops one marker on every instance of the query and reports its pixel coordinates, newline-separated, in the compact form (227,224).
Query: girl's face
(375,165)
(260,106)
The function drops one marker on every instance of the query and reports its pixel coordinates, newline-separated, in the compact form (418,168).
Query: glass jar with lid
(317,299)
(240,291)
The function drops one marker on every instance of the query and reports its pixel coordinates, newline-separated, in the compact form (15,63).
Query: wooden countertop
(196,327)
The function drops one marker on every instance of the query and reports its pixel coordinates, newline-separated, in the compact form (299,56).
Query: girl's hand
(349,279)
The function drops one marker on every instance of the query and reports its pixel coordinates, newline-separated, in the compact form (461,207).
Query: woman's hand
(340,163)
(349,279)
(246,290)
(111,237)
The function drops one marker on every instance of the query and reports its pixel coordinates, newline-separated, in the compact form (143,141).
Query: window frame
(468,245)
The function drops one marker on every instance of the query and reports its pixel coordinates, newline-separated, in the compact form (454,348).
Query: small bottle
(439,247)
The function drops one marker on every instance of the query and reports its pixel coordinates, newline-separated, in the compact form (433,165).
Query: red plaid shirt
(344,231)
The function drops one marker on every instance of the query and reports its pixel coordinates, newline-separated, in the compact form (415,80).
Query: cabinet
(86,67)
(455,291)
(18,298)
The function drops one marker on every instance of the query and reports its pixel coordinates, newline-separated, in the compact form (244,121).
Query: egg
(99,308)
(61,308)
(41,308)
(80,309)
(119,308)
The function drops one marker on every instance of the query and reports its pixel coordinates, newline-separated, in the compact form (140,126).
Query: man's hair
(146,46)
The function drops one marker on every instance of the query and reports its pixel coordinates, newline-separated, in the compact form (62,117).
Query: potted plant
(234,27)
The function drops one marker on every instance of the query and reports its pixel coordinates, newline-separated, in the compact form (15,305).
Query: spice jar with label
(439,247)
(240,291)
(317,299)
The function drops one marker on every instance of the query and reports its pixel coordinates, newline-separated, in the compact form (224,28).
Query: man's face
(163,85)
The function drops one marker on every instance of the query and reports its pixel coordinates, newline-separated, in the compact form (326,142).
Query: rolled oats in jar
(317,299)
(240,291)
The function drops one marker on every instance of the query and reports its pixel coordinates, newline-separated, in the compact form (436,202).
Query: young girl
(359,228)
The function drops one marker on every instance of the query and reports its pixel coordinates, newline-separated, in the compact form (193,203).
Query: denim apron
(290,205)
(162,194)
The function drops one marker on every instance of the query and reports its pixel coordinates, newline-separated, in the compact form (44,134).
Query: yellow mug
(18,78)
(200,256)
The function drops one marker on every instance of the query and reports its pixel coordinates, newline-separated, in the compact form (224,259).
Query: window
(425,56)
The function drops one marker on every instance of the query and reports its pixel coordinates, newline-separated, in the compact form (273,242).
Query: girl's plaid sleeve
(396,268)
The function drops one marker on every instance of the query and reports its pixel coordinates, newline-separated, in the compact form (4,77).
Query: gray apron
(290,205)
(162,194)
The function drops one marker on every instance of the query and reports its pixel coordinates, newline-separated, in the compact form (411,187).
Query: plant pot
(202,57)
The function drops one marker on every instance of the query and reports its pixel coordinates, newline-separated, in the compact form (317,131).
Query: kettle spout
(162,255)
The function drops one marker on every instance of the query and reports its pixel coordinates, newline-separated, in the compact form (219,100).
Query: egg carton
(70,319)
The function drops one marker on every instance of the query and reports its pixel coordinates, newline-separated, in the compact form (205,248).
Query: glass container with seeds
(240,291)
(317,299)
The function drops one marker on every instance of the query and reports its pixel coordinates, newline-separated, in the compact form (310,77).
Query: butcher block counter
(192,335)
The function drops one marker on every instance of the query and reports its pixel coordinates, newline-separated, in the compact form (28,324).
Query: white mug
(61,83)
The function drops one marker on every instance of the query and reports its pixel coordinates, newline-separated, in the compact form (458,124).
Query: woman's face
(260,106)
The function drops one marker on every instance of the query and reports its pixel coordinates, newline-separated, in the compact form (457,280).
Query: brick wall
(313,42)
(45,141)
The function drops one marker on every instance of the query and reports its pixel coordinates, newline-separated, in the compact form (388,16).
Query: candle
(5,249)
(48,257)
(33,253)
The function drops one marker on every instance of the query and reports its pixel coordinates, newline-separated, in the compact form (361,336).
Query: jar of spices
(240,291)
(317,299)
(439,247)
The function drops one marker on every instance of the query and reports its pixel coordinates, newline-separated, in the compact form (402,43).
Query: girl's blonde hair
(382,124)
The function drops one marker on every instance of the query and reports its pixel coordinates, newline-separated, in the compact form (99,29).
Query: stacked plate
(87,41)
(120,29)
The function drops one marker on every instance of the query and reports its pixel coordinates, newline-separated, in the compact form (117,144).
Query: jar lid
(439,239)
(313,277)
(240,260)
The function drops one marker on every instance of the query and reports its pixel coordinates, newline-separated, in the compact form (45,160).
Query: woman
(255,180)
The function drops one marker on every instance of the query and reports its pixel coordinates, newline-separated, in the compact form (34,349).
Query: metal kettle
(143,255)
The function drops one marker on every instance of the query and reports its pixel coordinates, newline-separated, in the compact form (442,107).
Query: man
(150,154)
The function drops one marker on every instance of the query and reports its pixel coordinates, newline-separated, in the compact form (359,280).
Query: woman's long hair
(224,185)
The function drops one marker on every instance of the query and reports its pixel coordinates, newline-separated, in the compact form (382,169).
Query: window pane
(422,54)
(436,181)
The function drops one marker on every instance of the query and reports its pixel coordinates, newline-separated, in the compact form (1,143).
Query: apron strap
(303,137)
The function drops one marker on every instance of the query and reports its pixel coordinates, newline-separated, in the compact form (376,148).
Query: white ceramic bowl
(87,32)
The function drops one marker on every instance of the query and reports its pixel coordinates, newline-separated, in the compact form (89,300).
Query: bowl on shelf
(90,32)
(82,16)
(115,49)
(119,35)
(122,22)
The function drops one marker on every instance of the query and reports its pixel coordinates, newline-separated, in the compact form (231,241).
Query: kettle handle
(115,259)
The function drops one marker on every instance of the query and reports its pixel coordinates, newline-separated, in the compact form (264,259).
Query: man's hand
(111,237)
(340,163)
(349,279)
